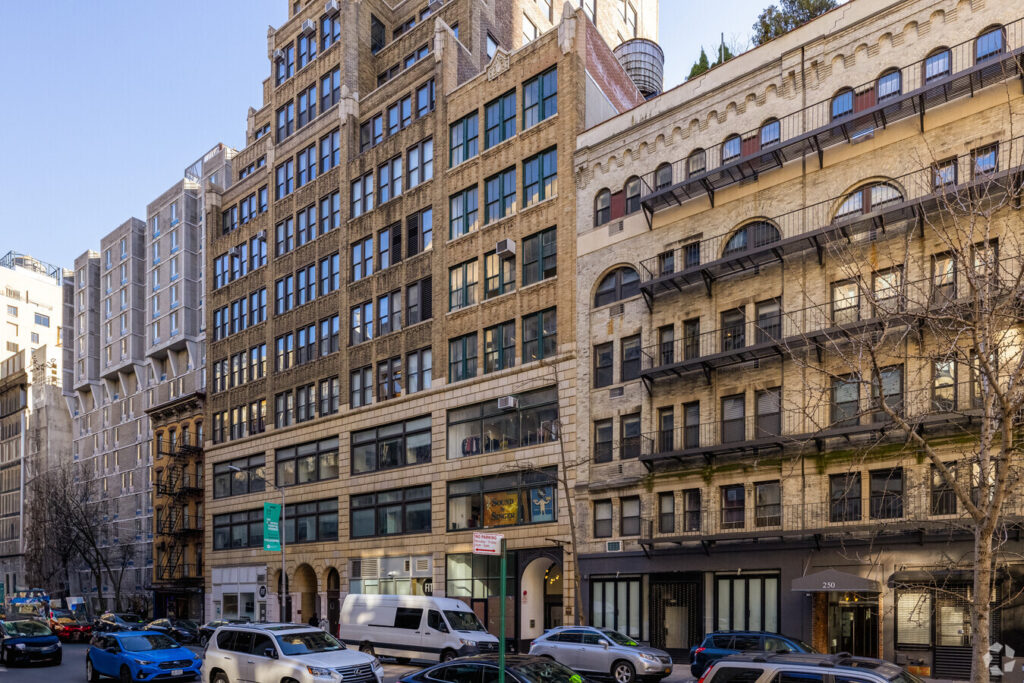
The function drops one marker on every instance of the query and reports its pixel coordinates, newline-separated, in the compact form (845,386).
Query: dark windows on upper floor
(889,85)
(540,256)
(378,35)
(399,444)
(771,131)
(937,64)
(621,283)
(463,139)
(540,98)
(390,513)
(306,463)
(991,42)
(500,119)
(842,103)
(540,177)
(284,58)
(869,198)
(751,236)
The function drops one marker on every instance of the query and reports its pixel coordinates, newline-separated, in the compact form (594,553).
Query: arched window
(619,284)
(868,198)
(751,236)
(936,65)
(842,103)
(889,84)
(731,148)
(663,176)
(632,195)
(695,163)
(991,42)
(602,207)
(770,132)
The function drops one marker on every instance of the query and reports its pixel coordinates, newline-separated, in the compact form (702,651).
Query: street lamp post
(281,533)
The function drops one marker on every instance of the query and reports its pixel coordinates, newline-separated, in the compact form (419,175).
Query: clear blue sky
(107,101)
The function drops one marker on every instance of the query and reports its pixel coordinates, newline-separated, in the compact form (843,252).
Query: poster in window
(501,508)
(542,504)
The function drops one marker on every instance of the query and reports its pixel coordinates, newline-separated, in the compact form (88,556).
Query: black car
(518,669)
(724,643)
(207,629)
(181,630)
(119,621)
(25,641)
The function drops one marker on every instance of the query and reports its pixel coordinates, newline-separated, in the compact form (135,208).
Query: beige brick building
(391,309)
(727,232)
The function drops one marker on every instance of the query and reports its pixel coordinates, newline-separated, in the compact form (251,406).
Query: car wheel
(126,675)
(366,648)
(91,674)
(448,655)
(58,659)
(623,672)
(220,677)
(203,640)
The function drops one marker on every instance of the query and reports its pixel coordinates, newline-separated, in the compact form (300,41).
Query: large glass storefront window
(471,576)
(615,603)
(392,576)
(747,603)
(489,428)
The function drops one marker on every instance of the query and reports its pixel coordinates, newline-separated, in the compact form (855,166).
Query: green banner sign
(3,595)
(272,527)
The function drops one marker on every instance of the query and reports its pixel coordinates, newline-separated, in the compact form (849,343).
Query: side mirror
(605,644)
(113,649)
(270,652)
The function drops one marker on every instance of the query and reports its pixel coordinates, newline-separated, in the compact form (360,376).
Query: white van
(413,627)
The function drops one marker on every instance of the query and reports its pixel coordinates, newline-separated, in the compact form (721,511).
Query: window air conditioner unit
(308,27)
(332,8)
(506,248)
(613,546)
(278,55)
(508,403)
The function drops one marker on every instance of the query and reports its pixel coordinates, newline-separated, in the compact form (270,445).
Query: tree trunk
(981,615)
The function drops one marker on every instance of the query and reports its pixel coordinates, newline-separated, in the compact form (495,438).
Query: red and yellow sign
(501,508)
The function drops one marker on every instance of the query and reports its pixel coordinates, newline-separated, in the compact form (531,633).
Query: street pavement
(72,670)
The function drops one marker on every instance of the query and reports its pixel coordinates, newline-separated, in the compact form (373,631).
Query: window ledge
(542,202)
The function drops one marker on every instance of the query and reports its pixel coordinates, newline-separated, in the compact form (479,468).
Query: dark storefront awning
(833,580)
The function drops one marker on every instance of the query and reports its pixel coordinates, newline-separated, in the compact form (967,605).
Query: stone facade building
(736,237)
(391,308)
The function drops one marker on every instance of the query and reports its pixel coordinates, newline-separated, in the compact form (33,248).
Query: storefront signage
(428,587)
(501,508)
(272,527)
(542,507)
(487,544)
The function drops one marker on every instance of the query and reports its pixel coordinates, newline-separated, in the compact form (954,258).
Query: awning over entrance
(833,580)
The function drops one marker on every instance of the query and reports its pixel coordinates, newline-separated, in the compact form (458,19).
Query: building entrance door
(853,626)
(675,615)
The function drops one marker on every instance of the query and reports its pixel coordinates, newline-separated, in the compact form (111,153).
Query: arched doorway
(333,600)
(305,586)
(540,598)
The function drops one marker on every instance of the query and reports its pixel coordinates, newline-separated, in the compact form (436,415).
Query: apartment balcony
(178,523)
(175,483)
(847,411)
(868,517)
(920,87)
(180,574)
(179,447)
(864,215)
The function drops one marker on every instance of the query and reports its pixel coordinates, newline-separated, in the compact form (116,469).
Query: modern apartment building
(390,303)
(176,355)
(33,434)
(740,238)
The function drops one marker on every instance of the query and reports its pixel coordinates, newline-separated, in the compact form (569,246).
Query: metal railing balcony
(920,86)
(177,523)
(177,483)
(180,572)
(863,215)
(837,414)
(887,514)
(180,447)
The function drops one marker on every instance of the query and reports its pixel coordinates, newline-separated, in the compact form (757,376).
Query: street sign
(272,527)
(487,544)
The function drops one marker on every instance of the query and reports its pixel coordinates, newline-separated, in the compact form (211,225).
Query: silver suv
(251,653)
(761,667)
(603,651)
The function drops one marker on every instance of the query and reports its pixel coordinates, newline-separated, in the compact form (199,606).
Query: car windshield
(62,614)
(308,642)
(545,671)
(155,641)
(618,638)
(806,647)
(26,628)
(464,621)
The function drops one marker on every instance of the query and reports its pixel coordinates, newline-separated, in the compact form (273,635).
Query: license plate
(177,672)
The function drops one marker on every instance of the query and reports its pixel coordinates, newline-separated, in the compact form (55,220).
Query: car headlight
(144,662)
(648,656)
(377,664)
(319,671)
(467,643)
(58,643)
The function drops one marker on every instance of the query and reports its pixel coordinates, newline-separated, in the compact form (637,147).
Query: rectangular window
(329,394)
(389,312)
(887,288)
(330,31)
(887,493)
(540,98)
(629,522)
(500,119)
(425,99)
(419,366)
(463,213)
(487,428)
(691,510)
(389,378)
(420,163)
(767,503)
(240,476)
(330,275)
(307,105)
(394,445)
(462,358)
(311,522)
(603,441)
(734,424)
(891,381)
(943,279)
(944,385)
(330,151)
(463,139)
(305,403)
(419,301)
(540,256)
(284,410)
(845,302)
(284,237)
(913,618)
(362,195)
(768,404)
(540,335)
(330,89)
(389,246)
(285,121)
(285,176)
(750,603)
(361,387)
(943,496)
(845,401)
(629,368)
(500,347)
(733,506)
(616,603)
(733,329)
(389,180)
(944,174)
(238,530)
(604,359)
(844,497)
(529,30)
(666,430)
(629,436)
(499,274)
(510,499)
(500,195)
(985,160)
(419,228)
(462,285)
(361,320)
(330,329)
(362,259)
(391,513)
(691,424)
(666,512)
(540,177)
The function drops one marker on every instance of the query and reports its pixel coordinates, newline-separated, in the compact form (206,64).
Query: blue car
(724,643)
(24,641)
(140,656)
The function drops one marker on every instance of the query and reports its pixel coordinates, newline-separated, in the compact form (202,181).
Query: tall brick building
(737,236)
(391,304)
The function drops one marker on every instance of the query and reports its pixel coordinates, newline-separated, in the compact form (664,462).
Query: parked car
(723,643)
(118,621)
(25,641)
(140,656)
(68,627)
(181,630)
(280,652)
(484,669)
(413,627)
(752,667)
(604,652)
(205,631)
